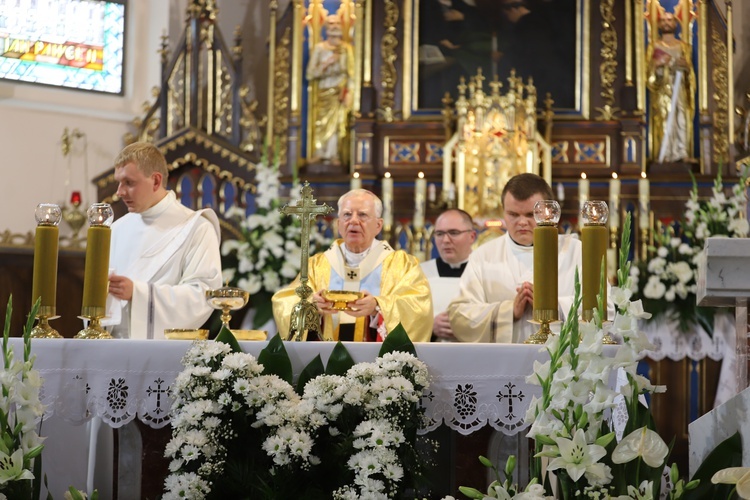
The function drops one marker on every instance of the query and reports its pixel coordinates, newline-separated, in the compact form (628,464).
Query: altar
(116,382)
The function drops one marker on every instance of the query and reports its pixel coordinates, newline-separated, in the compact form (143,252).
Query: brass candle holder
(227,299)
(546,215)
(43,330)
(94,329)
(96,283)
(44,286)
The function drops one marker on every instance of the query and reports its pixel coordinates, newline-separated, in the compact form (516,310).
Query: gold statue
(671,81)
(330,70)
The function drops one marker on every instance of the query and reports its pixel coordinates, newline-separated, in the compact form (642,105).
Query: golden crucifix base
(43,330)
(305,317)
(542,317)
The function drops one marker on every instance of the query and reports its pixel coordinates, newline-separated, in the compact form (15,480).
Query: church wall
(32,120)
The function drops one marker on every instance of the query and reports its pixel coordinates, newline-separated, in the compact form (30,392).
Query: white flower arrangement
(20,414)
(268,256)
(238,430)
(667,282)
(570,421)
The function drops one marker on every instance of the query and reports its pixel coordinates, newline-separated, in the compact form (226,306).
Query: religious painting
(539,39)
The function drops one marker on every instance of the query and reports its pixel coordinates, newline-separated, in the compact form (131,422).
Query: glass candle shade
(96,272)
(595,240)
(46,241)
(547,215)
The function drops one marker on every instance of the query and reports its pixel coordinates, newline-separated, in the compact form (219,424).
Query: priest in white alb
(454,235)
(164,256)
(496,295)
(393,286)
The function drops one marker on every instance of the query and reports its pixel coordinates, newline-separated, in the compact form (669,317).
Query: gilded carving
(388,75)
(281,95)
(721,108)
(608,66)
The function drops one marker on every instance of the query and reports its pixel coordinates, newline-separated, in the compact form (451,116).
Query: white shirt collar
(158,209)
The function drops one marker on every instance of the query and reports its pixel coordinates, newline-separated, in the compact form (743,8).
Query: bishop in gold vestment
(395,290)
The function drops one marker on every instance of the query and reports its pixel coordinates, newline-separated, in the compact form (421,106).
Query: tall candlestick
(614,202)
(447,172)
(583,191)
(44,281)
(387,200)
(546,213)
(595,240)
(96,270)
(644,202)
(356,182)
(431,192)
(420,192)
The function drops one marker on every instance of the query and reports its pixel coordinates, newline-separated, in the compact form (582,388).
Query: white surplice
(483,310)
(172,255)
(443,288)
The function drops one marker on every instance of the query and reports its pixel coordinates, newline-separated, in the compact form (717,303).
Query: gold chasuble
(394,277)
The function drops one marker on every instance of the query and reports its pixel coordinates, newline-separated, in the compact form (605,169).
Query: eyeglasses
(453,233)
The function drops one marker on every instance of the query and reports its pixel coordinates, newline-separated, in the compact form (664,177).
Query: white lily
(577,456)
(11,467)
(739,476)
(643,443)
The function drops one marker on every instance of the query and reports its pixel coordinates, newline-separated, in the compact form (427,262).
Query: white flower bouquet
(20,414)
(667,282)
(241,431)
(268,256)
(570,422)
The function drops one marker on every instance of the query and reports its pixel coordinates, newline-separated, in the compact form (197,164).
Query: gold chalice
(227,299)
(340,298)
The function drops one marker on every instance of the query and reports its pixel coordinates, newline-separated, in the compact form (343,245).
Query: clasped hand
(524,299)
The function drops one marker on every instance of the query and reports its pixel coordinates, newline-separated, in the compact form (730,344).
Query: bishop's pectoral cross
(305,316)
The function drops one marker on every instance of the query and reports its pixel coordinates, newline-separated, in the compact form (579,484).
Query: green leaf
(727,454)
(228,338)
(275,360)
(397,341)
(340,360)
(312,370)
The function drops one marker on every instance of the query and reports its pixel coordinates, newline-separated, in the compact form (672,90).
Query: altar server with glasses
(454,236)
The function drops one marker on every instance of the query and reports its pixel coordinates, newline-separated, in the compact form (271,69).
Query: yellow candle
(420,192)
(545,268)
(594,238)
(44,282)
(356,182)
(96,273)
(644,201)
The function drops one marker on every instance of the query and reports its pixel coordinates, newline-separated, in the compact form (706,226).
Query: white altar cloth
(472,385)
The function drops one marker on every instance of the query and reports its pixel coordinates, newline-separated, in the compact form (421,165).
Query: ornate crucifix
(305,316)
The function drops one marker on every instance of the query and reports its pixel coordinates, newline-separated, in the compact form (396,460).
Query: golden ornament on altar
(341,298)
(250,334)
(227,299)
(305,316)
(185,334)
